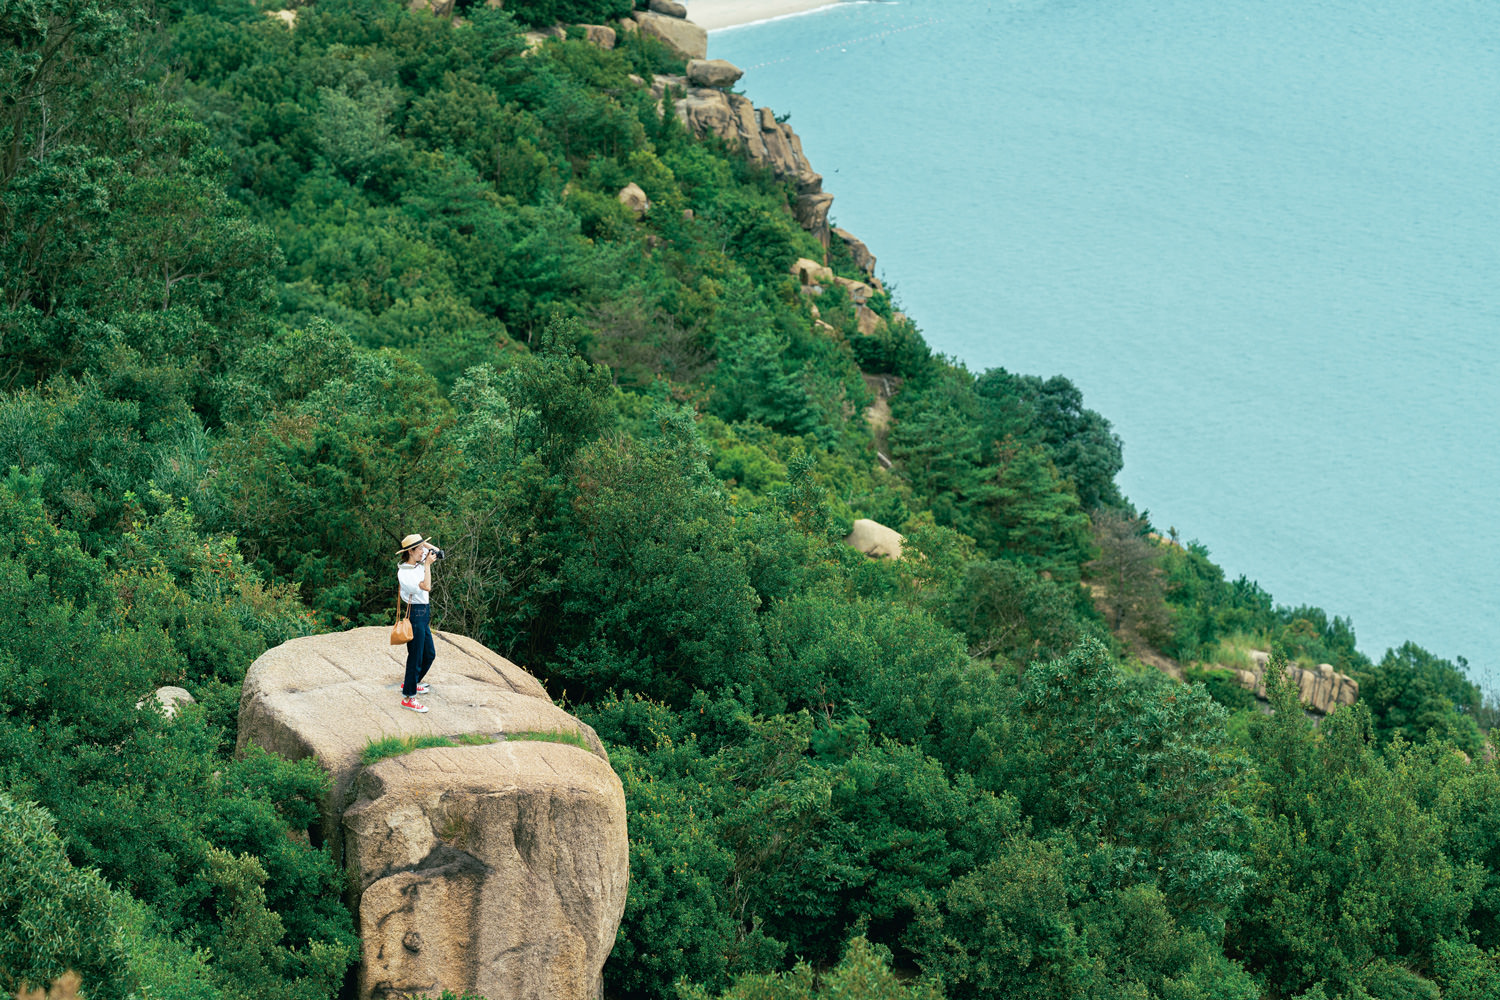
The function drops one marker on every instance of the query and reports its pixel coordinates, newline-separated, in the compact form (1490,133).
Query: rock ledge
(498,869)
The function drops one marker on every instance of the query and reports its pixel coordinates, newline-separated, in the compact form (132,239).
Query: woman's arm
(426,583)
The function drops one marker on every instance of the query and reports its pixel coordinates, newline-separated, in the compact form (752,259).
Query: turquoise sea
(1263,236)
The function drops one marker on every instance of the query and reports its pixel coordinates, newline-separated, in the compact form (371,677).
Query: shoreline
(718,15)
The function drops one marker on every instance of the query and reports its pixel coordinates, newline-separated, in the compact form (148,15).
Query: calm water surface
(1262,237)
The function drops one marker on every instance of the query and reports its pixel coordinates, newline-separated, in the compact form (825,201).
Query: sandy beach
(716,14)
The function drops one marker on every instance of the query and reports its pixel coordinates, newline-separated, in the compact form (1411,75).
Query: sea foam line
(802,13)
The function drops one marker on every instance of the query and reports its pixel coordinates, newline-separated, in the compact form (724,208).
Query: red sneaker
(423,689)
(413,704)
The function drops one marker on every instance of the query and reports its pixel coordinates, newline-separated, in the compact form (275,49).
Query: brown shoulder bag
(402,633)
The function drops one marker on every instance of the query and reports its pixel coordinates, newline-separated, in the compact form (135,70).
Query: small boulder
(687,215)
(810,272)
(633,198)
(868,319)
(716,73)
(686,38)
(286,17)
(629,27)
(599,34)
(671,8)
(169,698)
(859,292)
(875,539)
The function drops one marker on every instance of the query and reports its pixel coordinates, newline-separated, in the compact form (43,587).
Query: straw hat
(410,542)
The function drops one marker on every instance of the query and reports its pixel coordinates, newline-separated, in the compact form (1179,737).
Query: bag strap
(399,615)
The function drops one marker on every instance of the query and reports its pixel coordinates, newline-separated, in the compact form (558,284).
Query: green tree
(1419,696)
(1352,881)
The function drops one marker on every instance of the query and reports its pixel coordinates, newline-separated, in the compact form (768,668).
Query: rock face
(716,73)
(498,869)
(764,140)
(687,38)
(671,8)
(875,539)
(863,258)
(1322,689)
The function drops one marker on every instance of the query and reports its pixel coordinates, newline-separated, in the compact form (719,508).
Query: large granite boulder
(498,868)
(715,73)
(671,8)
(874,539)
(764,140)
(688,39)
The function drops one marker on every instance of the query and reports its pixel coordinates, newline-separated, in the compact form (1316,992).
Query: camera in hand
(438,553)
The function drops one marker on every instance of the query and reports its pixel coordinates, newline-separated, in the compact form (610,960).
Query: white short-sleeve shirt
(410,577)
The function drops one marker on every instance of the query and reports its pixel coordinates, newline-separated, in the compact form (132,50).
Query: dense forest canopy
(273,296)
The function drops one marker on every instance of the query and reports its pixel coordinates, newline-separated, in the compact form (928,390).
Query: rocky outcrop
(874,539)
(811,274)
(287,17)
(633,198)
(863,258)
(671,8)
(498,868)
(1321,689)
(688,39)
(715,73)
(764,140)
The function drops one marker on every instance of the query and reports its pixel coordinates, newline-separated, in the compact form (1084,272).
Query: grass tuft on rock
(552,736)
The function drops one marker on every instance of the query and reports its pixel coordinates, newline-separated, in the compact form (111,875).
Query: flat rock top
(329,695)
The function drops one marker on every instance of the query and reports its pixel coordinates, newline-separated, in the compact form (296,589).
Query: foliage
(863,972)
(1418,696)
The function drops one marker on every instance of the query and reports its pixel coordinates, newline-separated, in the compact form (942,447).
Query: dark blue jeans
(420,652)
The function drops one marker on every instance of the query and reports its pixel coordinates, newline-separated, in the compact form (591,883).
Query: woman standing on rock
(414,586)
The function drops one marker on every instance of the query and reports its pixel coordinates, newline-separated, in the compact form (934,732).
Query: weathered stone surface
(286,17)
(716,73)
(810,272)
(633,198)
(690,41)
(1321,689)
(875,539)
(601,35)
(868,319)
(661,83)
(170,697)
(859,292)
(863,258)
(498,869)
(442,8)
(536,39)
(764,140)
(671,8)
